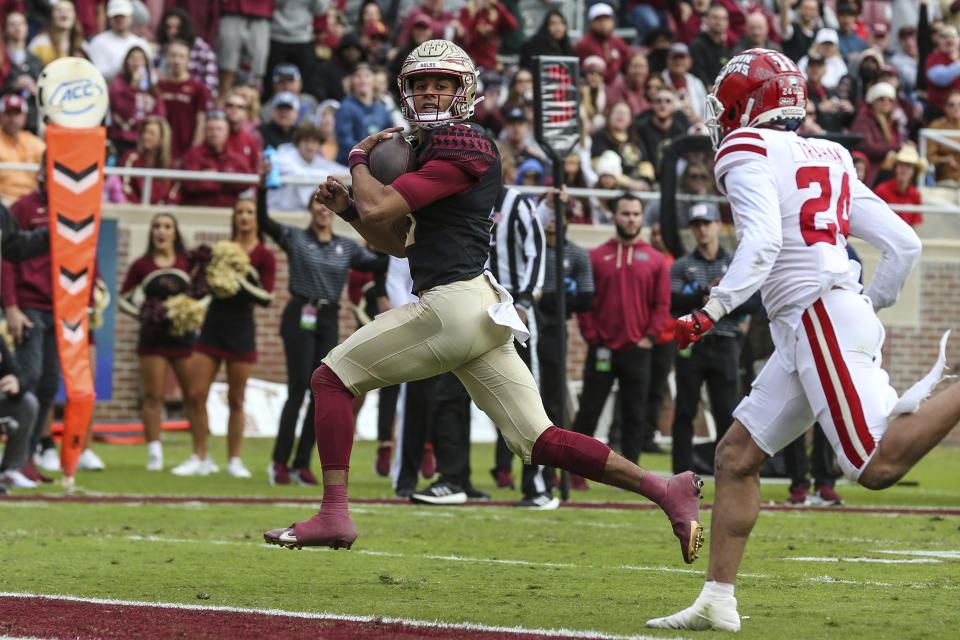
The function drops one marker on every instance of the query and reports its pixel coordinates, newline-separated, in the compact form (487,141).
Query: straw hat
(908,154)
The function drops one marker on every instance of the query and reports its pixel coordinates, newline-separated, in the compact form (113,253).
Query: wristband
(357,156)
(714,309)
(350,213)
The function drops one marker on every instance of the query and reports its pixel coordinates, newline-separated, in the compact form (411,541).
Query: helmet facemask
(438,58)
(458,109)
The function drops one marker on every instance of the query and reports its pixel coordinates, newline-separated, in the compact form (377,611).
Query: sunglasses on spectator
(235,105)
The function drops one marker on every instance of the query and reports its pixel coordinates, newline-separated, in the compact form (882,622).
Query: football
(392,158)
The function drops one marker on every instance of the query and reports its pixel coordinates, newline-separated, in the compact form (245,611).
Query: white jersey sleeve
(872,220)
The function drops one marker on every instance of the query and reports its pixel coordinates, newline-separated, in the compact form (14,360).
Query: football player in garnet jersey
(464,321)
(794,202)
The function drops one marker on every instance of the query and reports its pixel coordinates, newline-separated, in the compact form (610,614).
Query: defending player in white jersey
(794,202)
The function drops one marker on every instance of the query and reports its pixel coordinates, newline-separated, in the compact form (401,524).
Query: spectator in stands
(244,29)
(873,122)
(444,23)
(869,66)
(620,136)
(251,119)
(17,145)
(242,140)
(61,36)
(291,39)
(487,113)
(907,115)
(516,138)
(213,155)
(849,42)
(359,115)
(901,189)
(906,58)
(152,152)
(381,93)
(942,69)
(107,49)
(946,161)
(302,159)
(519,93)
(420,31)
(286,77)
(326,123)
(880,38)
(229,334)
(825,44)
(185,100)
(376,39)
(19,408)
(644,16)
(284,113)
(176,24)
(631,85)
(798,36)
(551,39)
(133,97)
(663,122)
(319,262)
(157,348)
(756,34)
(630,308)
(861,165)
(832,112)
(575,175)
(484,23)
(593,95)
(688,18)
(708,50)
(691,93)
(601,41)
(370,11)
(24,67)
(609,173)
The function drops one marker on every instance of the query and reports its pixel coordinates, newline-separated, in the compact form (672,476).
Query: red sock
(652,487)
(334,499)
(333,420)
(572,451)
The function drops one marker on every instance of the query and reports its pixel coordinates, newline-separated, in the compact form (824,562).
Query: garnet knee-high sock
(333,419)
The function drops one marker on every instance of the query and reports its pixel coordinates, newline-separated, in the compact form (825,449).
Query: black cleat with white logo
(440,492)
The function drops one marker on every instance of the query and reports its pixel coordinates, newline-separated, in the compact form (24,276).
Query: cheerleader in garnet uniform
(162,271)
(229,334)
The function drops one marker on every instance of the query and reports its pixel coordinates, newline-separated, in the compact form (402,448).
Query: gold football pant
(449,329)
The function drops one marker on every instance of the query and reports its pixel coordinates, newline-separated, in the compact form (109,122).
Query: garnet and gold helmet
(438,57)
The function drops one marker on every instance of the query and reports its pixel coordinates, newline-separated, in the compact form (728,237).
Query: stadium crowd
(219,86)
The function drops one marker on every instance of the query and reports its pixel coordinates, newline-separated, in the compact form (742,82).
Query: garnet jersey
(448,239)
(794,201)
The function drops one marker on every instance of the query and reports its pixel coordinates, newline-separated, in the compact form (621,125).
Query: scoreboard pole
(556,81)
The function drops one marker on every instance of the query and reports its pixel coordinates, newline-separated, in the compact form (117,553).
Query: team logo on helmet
(438,57)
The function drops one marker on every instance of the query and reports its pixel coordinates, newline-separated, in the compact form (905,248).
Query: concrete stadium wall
(929,305)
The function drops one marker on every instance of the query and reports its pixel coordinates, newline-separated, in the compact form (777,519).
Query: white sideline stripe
(868,560)
(566,633)
(23,638)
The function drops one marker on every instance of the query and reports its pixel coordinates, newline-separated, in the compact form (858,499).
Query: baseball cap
(119,8)
(13,102)
(704,212)
(598,10)
(422,20)
(880,29)
(679,49)
(517,114)
(376,29)
(286,98)
(826,35)
(286,70)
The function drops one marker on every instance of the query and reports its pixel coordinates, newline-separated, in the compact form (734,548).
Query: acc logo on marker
(71,92)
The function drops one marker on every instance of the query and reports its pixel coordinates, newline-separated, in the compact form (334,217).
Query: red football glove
(690,327)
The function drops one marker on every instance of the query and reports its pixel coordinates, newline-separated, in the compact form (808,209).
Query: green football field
(808,573)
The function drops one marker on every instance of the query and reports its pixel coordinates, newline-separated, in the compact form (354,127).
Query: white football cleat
(90,461)
(703,615)
(236,469)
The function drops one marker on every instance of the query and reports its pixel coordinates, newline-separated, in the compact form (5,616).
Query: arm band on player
(357,156)
(350,213)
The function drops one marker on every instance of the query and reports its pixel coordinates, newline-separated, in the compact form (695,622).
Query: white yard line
(469,626)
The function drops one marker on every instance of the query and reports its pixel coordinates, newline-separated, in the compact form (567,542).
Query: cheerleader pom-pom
(199,257)
(227,267)
(153,312)
(186,314)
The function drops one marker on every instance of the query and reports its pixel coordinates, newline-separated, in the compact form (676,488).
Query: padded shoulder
(468,146)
